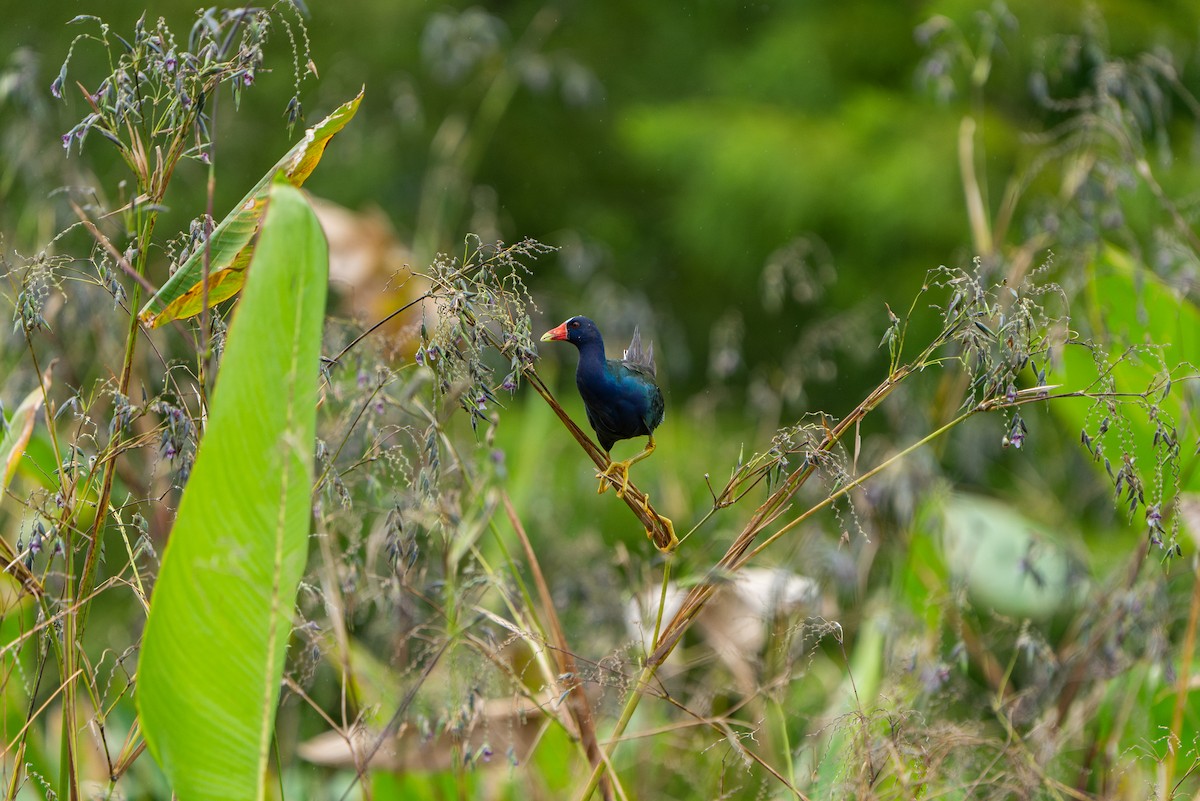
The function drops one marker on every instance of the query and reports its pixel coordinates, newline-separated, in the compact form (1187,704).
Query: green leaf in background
(1009,563)
(1127,305)
(20,429)
(12,448)
(221,613)
(232,245)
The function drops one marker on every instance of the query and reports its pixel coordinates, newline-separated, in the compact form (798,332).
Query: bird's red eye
(574,323)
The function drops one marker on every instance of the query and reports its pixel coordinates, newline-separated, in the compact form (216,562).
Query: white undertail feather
(634,354)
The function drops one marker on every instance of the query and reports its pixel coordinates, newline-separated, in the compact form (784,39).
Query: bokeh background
(678,155)
(755,186)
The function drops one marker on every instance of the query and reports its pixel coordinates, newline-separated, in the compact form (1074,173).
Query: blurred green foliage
(751,185)
(670,150)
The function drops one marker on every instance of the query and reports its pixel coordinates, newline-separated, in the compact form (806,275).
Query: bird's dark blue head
(579,331)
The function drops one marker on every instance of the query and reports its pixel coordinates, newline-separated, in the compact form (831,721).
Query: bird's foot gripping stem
(669,541)
(615,469)
(664,538)
(622,468)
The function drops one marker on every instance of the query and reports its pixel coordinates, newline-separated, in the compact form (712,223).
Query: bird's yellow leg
(622,468)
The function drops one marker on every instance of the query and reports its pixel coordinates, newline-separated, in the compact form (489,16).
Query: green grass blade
(231,246)
(221,612)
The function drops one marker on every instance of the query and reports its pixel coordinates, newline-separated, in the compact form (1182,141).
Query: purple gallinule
(620,395)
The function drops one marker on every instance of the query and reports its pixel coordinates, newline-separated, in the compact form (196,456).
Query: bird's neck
(591,359)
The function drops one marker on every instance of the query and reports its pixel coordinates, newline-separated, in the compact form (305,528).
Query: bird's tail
(635,355)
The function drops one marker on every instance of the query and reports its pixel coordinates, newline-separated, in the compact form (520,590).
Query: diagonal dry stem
(658,528)
(739,552)
(699,596)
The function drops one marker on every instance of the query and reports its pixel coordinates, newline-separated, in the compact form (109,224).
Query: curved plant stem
(1183,681)
(699,596)
(581,708)
(631,705)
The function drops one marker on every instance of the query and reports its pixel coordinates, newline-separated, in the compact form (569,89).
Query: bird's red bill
(555,333)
